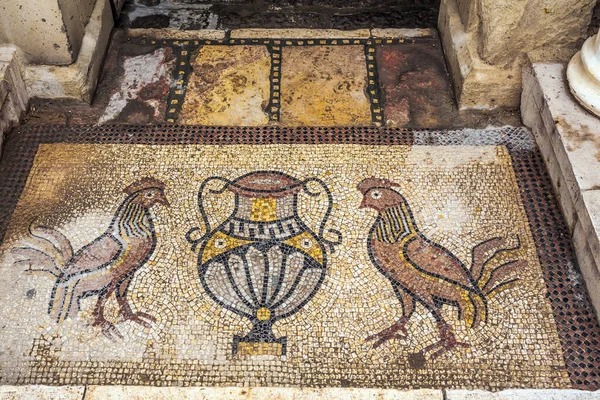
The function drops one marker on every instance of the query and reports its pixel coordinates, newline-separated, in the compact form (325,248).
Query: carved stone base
(583,74)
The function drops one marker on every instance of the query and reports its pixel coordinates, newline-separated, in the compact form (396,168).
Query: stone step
(228,393)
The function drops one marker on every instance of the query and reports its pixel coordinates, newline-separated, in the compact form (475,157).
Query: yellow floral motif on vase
(264,210)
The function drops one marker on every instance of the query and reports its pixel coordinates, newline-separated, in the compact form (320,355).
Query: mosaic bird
(425,272)
(104,266)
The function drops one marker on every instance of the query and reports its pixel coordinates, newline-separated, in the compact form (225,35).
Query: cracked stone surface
(324,86)
(228,86)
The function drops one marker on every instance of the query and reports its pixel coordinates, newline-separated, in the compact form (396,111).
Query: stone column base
(569,139)
(478,85)
(582,75)
(14,98)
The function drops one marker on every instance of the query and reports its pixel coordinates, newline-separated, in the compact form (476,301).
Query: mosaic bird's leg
(389,333)
(408,307)
(446,343)
(108,329)
(125,308)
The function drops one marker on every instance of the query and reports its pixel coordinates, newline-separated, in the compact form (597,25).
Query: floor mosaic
(292,82)
(315,257)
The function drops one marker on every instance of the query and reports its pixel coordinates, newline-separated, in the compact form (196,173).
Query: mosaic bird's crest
(368,183)
(378,194)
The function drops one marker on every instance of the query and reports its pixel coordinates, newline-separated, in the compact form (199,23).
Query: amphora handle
(205,221)
(322,228)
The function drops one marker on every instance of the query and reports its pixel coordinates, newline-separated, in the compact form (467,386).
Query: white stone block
(35,392)
(522,394)
(224,393)
(78,80)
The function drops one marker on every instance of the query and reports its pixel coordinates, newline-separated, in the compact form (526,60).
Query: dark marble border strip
(266,42)
(274,106)
(577,326)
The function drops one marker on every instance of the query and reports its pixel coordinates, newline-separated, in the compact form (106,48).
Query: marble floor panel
(259,78)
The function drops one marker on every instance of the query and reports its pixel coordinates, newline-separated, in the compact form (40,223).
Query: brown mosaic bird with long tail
(425,272)
(104,266)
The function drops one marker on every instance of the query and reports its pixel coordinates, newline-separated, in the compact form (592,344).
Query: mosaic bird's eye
(220,243)
(376,194)
(149,195)
(306,243)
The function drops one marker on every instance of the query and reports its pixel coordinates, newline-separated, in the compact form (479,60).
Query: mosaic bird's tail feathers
(492,275)
(503,277)
(50,253)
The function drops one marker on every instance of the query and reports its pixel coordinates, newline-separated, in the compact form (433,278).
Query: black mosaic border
(270,42)
(576,322)
(183,48)
(577,325)
(180,75)
(274,107)
(373,88)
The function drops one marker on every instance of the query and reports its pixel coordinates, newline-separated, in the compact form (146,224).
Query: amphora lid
(265,184)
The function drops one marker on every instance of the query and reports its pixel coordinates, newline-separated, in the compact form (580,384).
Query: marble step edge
(569,139)
(211,34)
(30,392)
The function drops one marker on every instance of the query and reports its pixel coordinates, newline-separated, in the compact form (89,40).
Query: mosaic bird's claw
(109,330)
(140,318)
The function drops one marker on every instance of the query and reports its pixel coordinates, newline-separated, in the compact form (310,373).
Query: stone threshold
(32,392)
(569,138)
(167,33)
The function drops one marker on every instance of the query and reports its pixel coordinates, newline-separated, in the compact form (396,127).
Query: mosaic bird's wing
(436,261)
(99,254)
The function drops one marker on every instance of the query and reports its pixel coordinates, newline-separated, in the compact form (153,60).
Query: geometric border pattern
(577,326)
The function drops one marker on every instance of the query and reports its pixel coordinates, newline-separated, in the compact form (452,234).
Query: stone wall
(60,45)
(14,98)
(47,32)
(503,36)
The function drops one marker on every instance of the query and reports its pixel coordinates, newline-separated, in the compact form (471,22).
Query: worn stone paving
(309,257)
(360,78)
(323,14)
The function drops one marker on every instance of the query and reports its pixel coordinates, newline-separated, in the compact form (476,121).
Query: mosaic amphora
(263,262)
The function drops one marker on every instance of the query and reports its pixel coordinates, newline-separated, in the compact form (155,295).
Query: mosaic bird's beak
(363,203)
(162,199)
